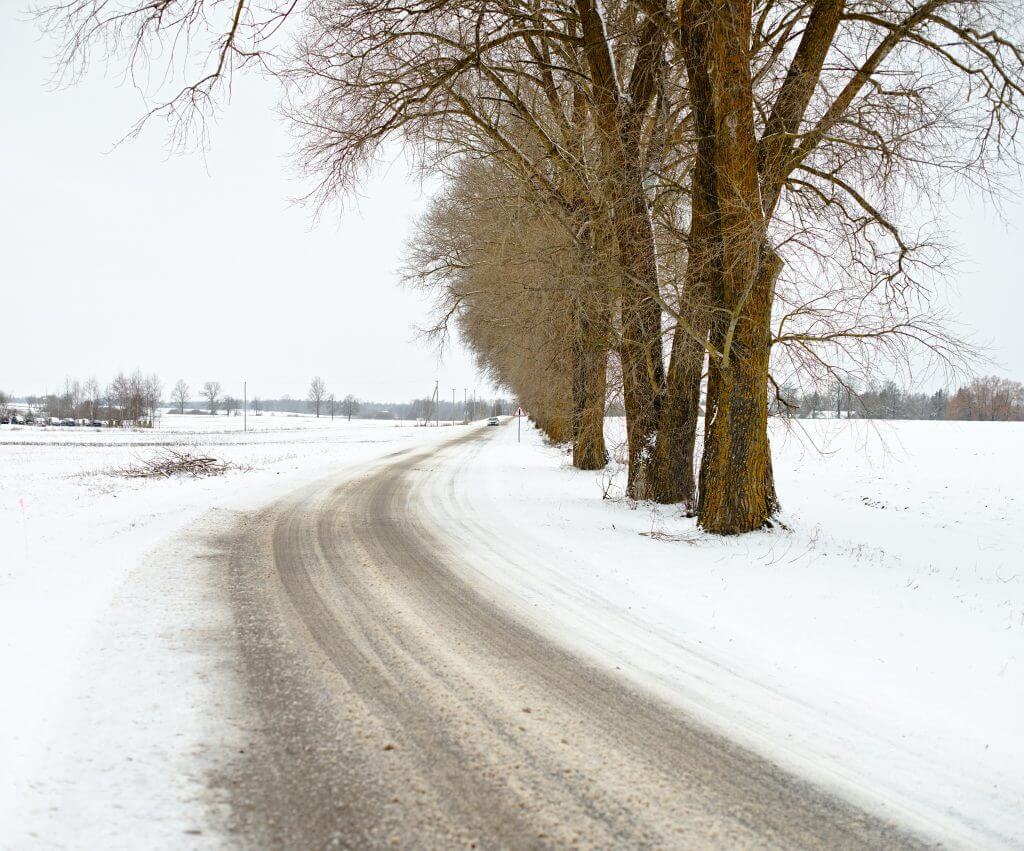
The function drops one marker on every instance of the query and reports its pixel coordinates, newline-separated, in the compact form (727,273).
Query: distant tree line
(320,401)
(136,399)
(129,399)
(984,398)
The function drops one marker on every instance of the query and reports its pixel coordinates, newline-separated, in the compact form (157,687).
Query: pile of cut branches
(173,462)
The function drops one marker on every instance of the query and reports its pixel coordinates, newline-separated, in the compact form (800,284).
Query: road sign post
(519,424)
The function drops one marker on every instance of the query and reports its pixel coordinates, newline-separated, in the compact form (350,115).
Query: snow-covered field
(95,658)
(172,428)
(878,647)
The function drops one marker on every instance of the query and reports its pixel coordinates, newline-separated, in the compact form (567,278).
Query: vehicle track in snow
(396,706)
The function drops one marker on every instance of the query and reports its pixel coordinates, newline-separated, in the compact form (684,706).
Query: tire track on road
(396,705)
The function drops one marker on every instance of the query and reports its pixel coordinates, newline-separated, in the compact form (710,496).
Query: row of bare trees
(213,397)
(129,399)
(983,398)
(687,206)
(987,398)
(700,206)
(211,393)
(321,398)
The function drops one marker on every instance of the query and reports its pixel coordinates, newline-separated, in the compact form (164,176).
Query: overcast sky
(112,258)
(117,258)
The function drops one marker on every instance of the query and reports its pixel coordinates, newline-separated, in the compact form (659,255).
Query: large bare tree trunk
(675,480)
(643,370)
(643,366)
(737,484)
(734,277)
(737,487)
(738,493)
(677,433)
(619,121)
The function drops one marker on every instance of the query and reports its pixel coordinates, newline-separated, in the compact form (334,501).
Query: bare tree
(118,395)
(133,398)
(317,394)
(152,391)
(179,395)
(230,405)
(211,393)
(70,398)
(92,393)
(349,406)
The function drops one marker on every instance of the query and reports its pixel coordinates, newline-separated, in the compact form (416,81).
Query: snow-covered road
(395,705)
(876,649)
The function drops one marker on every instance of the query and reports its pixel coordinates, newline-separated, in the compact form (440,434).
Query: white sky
(117,258)
(112,258)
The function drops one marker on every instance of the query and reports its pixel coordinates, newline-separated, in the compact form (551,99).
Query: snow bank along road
(394,703)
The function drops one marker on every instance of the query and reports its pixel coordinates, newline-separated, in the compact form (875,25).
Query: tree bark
(677,432)
(589,379)
(737,490)
(619,121)
(643,369)
(737,483)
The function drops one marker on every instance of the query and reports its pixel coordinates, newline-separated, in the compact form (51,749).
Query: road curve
(394,706)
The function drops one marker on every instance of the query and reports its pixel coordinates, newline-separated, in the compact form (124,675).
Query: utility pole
(245,405)
(453,406)
(437,403)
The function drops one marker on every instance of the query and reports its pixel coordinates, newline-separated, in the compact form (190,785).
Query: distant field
(175,428)
(269,421)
